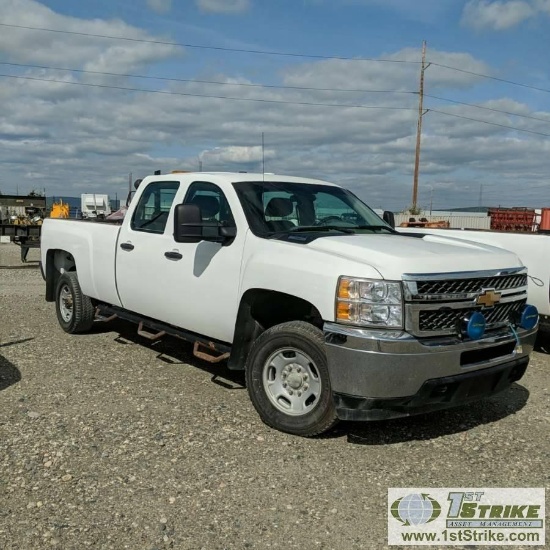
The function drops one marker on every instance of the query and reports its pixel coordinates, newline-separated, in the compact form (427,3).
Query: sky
(134,86)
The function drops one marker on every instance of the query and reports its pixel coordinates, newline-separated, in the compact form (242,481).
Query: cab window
(212,202)
(154,206)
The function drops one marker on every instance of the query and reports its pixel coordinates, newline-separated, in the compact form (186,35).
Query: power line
(274,53)
(203,47)
(217,82)
(486,108)
(260,100)
(164,92)
(270,86)
(491,77)
(487,122)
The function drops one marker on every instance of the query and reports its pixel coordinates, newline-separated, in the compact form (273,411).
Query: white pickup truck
(331,313)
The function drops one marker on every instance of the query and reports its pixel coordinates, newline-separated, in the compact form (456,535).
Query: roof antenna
(263,158)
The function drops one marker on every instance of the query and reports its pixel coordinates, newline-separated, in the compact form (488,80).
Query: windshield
(286,207)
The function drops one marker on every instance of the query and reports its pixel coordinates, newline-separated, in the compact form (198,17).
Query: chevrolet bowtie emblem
(488,298)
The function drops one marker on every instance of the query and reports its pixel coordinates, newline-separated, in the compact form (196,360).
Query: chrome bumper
(386,365)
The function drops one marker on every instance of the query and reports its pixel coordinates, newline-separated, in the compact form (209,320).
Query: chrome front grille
(466,286)
(435,305)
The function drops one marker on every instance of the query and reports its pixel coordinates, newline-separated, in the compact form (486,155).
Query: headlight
(369,302)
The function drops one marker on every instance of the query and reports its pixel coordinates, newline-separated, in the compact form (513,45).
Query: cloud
(160,6)
(73,139)
(385,76)
(223,6)
(87,138)
(26,45)
(251,155)
(426,11)
(501,15)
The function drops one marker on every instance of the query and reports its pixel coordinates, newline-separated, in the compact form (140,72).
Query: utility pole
(480,195)
(419,127)
(129,183)
(263,155)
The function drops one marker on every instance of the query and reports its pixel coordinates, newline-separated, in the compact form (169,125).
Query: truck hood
(394,255)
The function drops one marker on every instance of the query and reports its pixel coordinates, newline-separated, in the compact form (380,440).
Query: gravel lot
(107,441)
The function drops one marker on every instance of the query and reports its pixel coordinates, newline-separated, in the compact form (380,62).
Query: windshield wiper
(308,228)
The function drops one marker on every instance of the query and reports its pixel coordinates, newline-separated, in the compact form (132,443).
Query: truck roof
(232,177)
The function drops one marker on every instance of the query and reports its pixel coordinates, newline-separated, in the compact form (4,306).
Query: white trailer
(93,205)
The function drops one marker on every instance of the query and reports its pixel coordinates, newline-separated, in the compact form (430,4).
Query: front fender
(295,269)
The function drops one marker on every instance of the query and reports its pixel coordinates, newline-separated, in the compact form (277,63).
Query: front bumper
(387,374)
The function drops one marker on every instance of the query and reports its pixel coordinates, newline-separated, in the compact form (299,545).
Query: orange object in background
(59,210)
(545,220)
(513,219)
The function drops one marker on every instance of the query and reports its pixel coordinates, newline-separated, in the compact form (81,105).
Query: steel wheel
(66,303)
(288,379)
(291,381)
(75,311)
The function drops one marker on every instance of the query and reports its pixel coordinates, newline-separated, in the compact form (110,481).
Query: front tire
(75,311)
(288,379)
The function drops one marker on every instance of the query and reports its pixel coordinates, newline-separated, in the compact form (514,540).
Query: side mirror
(189,227)
(187,223)
(389,218)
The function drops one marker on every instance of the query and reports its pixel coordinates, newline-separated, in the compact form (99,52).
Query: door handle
(173,255)
(127,246)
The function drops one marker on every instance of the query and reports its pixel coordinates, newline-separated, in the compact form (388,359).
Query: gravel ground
(107,441)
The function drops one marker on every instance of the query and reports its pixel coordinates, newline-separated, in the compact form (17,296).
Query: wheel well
(57,263)
(261,309)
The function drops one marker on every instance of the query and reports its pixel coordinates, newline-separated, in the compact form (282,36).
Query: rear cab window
(153,208)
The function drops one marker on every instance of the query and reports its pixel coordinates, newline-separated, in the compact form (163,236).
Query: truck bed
(93,246)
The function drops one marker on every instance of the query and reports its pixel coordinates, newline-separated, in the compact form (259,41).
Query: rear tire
(75,311)
(288,379)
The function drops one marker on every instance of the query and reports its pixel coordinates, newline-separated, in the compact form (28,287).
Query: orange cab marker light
(343,288)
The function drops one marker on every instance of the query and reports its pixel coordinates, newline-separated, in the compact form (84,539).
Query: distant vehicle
(21,220)
(423,222)
(21,209)
(94,206)
(533,249)
(330,312)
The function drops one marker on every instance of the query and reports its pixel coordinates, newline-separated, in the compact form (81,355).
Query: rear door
(141,246)
(194,286)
